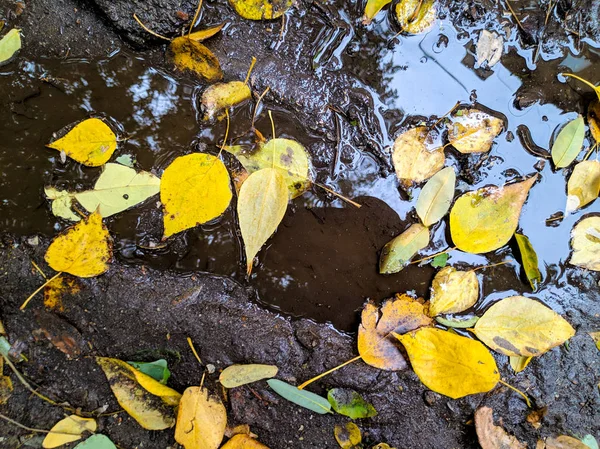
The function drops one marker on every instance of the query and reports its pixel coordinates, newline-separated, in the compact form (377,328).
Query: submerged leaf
(302,398)
(568,143)
(189,54)
(519,363)
(201,420)
(530,260)
(221,96)
(436,196)
(412,159)
(415,16)
(491,436)
(398,252)
(9,45)
(349,403)
(473,131)
(585,241)
(372,8)
(584,185)
(347,436)
(261,9)
(97,441)
(243,442)
(68,430)
(236,375)
(157,370)
(453,291)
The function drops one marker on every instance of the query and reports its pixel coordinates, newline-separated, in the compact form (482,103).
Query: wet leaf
(127,160)
(349,403)
(590,442)
(440,260)
(347,436)
(202,35)
(529,260)
(68,430)
(398,252)
(262,203)
(520,326)
(188,54)
(596,337)
(157,370)
(568,143)
(416,16)
(6,385)
(453,291)
(149,402)
(584,185)
(236,375)
(593,119)
(457,322)
(473,131)
(489,48)
(9,45)
(382,446)
(519,363)
(194,189)
(585,241)
(243,442)
(91,142)
(201,420)
(491,436)
(302,398)
(82,250)
(261,9)
(372,8)
(412,159)
(375,343)
(450,364)
(484,220)
(59,287)
(565,442)
(97,441)
(221,96)
(436,196)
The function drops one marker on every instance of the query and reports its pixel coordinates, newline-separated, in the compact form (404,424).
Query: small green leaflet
(302,398)
(396,254)
(157,370)
(530,261)
(440,260)
(4,347)
(349,403)
(436,196)
(590,442)
(458,322)
(568,144)
(10,44)
(126,159)
(236,375)
(97,441)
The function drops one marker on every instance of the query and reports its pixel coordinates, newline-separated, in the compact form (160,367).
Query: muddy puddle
(322,262)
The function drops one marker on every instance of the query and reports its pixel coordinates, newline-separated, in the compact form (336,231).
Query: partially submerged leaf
(416,16)
(189,54)
(221,96)
(519,363)
(489,48)
(398,252)
(68,430)
(202,35)
(201,420)
(565,442)
(261,9)
(9,45)
(585,241)
(568,143)
(347,436)
(243,442)
(302,398)
(584,185)
(413,161)
(520,326)
(236,375)
(97,441)
(458,322)
(530,260)
(158,369)
(473,131)
(436,196)
(491,436)
(372,8)
(453,291)
(349,403)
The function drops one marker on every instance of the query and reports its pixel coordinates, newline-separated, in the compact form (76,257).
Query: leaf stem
(596,89)
(447,250)
(310,381)
(149,30)
(445,115)
(195,17)
(512,11)
(30,429)
(36,266)
(272,125)
(250,70)
(516,390)
(257,104)
(189,340)
(339,195)
(226,134)
(591,150)
(38,290)
(504,262)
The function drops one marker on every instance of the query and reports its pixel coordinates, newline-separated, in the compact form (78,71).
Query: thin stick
(339,195)
(504,262)
(30,429)
(189,340)
(591,150)
(310,381)
(195,17)
(35,265)
(272,125)
(202,380)
(447,250)
(537,50)
(39,289)
(515,15)
(148,29)
(226,134)
(516,390)
(445,115)
(250,70)
(257,104)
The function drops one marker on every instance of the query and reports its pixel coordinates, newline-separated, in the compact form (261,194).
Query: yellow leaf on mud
(396,254)
(372,8)
(450,364)
(236,375)
(202,35)
(149,402)
(9,45)
(491,436)
(473,131)
(188,54)
(453,291)
(6,385)
(194,189)
(595,336)
(262,203)
(83,250)
(68,430)
(593,119)
(261,9)
(520,326)
(416,16)
(243,442)
(584,185)
(347,436)
(436,196)
(376,345)
(518,363)
(484,220)
(221,96)
(201,420)
(91,142)
(585,241)
(55,290)
(413,161)
(565,442)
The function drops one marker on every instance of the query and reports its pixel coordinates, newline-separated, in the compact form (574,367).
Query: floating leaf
(372,8)
(440,260)
(262,203)
(397,253)
(91,142)
(68,430)
(82,250)
(375,344)
(194,189)
(415,16)
(221,96)
(149,402)
(491,436)
(450,364)
(489,48)
(158,369)
(458,322)
(302,398)
(201,420)
(261,9)
(436,196)
(584,185)
(127,160)
(568,143)
(189,54)
(453,291)
(236,375)
(565,442)
(518,363)
(530,260)
(9,45)
(412,159)
(520,326)
(485,219)
(347,436)
(585,241)
(349,403)
(243,442)
(97,441)
(202,35)
(59,287)
(473,131)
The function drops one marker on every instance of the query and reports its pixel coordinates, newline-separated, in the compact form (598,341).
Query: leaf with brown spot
(347,436)
(188,54)
(491,436)
(261,9)
(56,290)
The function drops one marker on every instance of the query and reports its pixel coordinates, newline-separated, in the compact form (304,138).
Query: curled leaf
(303,398)
(491,436)
(201,420)
(473,131)
(458,322)
(347,436)
(9,45)
(398,252)
(413,161)
(221,96)
(584,185)
(189,54)
(519,363)
(416,16)
(236,375)
(530,260)
(68,430)
(585,241)
(568,143)
(349,403)
(436,196)
(261,9)
(453,291)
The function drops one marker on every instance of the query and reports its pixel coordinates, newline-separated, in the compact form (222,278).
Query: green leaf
(397,253)
(436,196)
(440,260)
(10,44)
(590,442)
(349,403)
(457,322)
(157,370)
(97,441)
(568,144)
(237,375)
(530,261)
(302,398)
(4,347)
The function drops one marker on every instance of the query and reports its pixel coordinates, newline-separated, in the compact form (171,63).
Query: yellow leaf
(375,343)
(261,9)
(584,185)
(68,430)
(149,402)
(372,8)
(593,119)
(236,375)
(221,96)
(54,291)
(585,241)
(436,196)
(413,161)
(396,254)
(565,442)
(473,131)
(82,250)
(262,203)
(348,436)
(9,45)
(491,436)
(91,142)
(191,55)
(194,189)
(595,336)
(243,442)
(416,16)
(520,326)
(568,143)
(450,364)
(201,420)
(486,219)
(518,363)
(6,385)
(453,291)
(202,35)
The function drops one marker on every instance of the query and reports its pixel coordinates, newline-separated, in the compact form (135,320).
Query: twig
(250,69)
(445,115)
(30,429)
(516,390)
(35,265)
(339,195)
(447,250)
(195,17)
(39,289)
(189,340)
(149,30)
(310,381)
(257,104)
(512,11)
(504,262)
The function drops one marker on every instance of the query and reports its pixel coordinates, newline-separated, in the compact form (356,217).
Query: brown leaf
(491,436)
(61,334)
(565,442)
(535,417)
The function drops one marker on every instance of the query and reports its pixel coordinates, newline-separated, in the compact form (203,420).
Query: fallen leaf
(9,45)
(413,161)
(63,336)
(347,436)
(519,363)
(57,289)
(128,160)
(262,203)
(157,370)
(243,442)
(450,364)
(236,375)
(382,446)
(221,96)
(530,260)
(375,343)
(489,48)
(6,385)
(491,436)
(201,420)
(535,417)
(261,9)
(453,291)
(398,252)
(90,142)
(440,260)
(242,429)
(416,16)
(189,54)
(62,203)
(565,442)
(485,219)
(97,441)
(585,241)
(302,398)
(202,35)
(349,403)
(473,131)
(568,143)
(372,8)
(593,119)
(457,322)
(436,196)
(596,337)
(584,185)
(68,430)
(520,326)
(149,402)
(194,189)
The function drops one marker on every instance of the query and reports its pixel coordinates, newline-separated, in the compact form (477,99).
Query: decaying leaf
(243,442)
(473,131)
(375,343)
(194,189)
(68,430)
(585,241)
(221,96)
(83,250)
(491,436)
(303,398)
(565,442)
(347,436)
(519,363)
(584,185)
(489,48)
(189,54)
(59,287)
(520,326)
(97,441)
(450,364)
(372,8)
(236,375)
(484,220)
(413,161)
(262,203)
(202,35)
(349,403)
(568,143)
(9,45)
(149,402)
(261,9)
(398,252)
(91,142)
(157,370)
(530,260)
(535,417)
(416,16)
(453,291)
(436,196)
(201,420)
